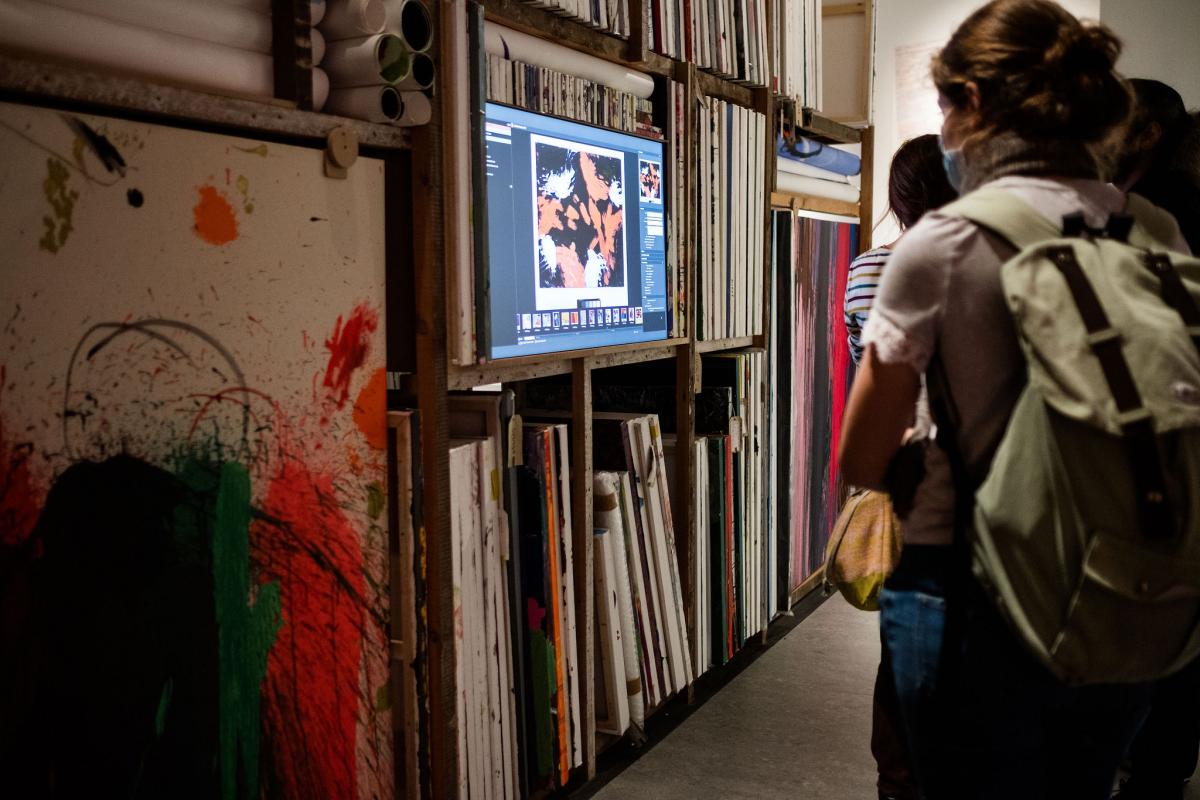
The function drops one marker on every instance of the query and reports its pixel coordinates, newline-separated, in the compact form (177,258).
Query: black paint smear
(135,198)
(317,219)
(109,156)
(117,652)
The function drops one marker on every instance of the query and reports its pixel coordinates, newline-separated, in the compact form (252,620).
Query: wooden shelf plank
(40,81)
(541,366)
(715,345)
(825,129)
(722,89)
(809,585)
(799,202)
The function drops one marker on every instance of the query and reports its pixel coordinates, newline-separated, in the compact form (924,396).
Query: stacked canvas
(548,91)
(680,218)
(410,664)
(796,51)
(740,511)
(812,362)
(547,607)
(731,205)
(728,37)
(487,764)
(632,503)
(611,16)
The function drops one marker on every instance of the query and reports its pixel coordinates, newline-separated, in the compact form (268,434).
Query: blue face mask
(952,163)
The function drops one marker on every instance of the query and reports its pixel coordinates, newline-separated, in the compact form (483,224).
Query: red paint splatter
(215,222)
(348,350)
(19,502)
(311,695)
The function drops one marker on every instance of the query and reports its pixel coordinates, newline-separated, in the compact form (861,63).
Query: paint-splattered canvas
(193,556)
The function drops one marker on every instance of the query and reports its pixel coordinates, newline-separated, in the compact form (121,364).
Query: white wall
(1162,40)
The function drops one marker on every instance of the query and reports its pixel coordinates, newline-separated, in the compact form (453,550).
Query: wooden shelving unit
(437,375)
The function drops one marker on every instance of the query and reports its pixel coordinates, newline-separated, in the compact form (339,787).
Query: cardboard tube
(353,19)
(410,20)
(517,46)
(320,81)
(318,46)
(422,74)
(814,187)
(371,103)
(368,61)
(316,8)
(95,41)
(417,109)
(212,22)
(802,169)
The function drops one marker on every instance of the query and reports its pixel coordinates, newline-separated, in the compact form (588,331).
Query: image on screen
(576,235)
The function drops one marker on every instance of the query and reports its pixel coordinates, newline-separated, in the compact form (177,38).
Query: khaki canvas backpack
(1086,530)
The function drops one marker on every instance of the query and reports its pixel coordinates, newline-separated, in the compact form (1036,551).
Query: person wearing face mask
(1027,92)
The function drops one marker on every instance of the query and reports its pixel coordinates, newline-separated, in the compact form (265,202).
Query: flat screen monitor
(577,247)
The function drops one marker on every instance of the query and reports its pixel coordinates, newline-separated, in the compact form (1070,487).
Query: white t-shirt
(942,291)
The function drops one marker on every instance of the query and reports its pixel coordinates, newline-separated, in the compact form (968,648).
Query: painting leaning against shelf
(193,549)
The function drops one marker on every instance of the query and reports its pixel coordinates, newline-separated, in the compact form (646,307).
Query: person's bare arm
(879,411)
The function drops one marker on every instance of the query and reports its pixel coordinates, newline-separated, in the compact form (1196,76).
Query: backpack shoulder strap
(1006,215)
(1155,229)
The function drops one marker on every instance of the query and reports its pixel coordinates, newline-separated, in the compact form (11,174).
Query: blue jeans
(985,720)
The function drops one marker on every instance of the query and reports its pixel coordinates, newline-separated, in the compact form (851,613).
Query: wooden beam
(809,585)
(816,126)
(826,205)
(843,9)
(866,196)
(714,86)
(46,83)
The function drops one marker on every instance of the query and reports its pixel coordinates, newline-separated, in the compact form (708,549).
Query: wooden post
(581,522)
(429,180)
(639,26)
(866,192)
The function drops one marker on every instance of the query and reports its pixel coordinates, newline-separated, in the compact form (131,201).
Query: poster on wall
(193,546)
(917,109)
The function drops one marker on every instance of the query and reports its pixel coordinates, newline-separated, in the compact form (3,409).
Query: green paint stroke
(376,500)
(243,187)
(261,150)
(62,206)
(164,705)
(245,634)
(542,656)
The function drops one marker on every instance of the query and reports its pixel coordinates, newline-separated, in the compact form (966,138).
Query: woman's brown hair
(1041,73)
(917,181)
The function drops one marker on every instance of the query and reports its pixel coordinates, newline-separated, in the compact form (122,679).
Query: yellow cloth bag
(863,549)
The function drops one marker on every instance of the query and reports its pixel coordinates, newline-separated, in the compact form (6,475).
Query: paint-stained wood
(866,201)
(49,83)
(511,370)
(826,205)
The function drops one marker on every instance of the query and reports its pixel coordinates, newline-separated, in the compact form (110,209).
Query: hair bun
(1084,49)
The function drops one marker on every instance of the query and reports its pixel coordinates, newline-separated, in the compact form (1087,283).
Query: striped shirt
(863,280)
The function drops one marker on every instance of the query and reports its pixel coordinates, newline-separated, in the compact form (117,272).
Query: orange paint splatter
(370,409)
(215,222)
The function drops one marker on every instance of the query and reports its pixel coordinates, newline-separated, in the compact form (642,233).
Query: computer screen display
(576,235)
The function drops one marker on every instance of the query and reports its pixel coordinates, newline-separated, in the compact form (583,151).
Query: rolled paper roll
(85,39)
(814,187)
(421,76)
(368,61)
(416,109)
(353,19)
(815,154)
(320,83)
(213,22)
(318,46)
(510,44)
(371,103)
(802,169)
(316,8)
(410,20)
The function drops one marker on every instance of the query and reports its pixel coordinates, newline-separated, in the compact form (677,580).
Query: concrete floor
(796,724)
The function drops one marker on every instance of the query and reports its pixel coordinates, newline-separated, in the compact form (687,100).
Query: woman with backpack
(1026,92)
